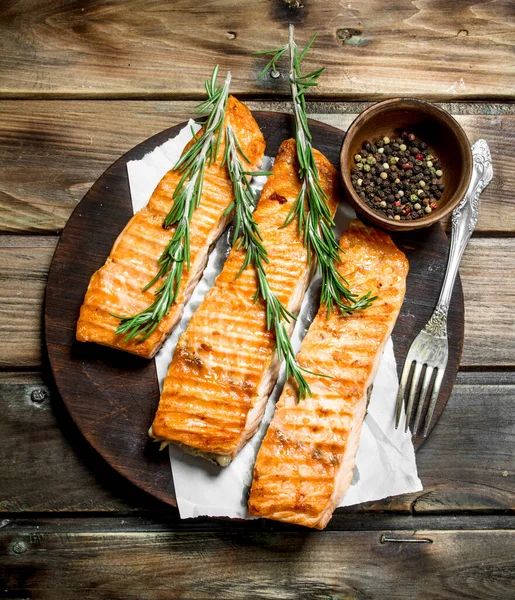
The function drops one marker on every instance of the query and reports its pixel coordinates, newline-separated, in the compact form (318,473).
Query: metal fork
(430,347)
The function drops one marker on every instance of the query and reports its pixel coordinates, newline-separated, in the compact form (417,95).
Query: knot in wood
(19,547)
(345,34)
(39,395)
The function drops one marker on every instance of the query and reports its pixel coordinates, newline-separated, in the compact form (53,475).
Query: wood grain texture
(467,471)
(268,566)
(113,396)
(51,467)
(486,272)
(66,146)
(23,274)
(118,49)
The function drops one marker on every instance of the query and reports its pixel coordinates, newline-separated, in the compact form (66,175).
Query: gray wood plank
(240,565)
(115,49)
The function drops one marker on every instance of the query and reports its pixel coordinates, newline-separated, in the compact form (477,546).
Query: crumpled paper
(385,462)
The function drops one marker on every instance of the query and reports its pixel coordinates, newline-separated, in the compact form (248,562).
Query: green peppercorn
(429,163)
(366,167)
(402,147)
(359,166)
(416,206)
(413,197)
(371,160)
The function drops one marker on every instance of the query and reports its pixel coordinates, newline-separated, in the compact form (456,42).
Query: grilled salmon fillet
(116,288)
(225,366)
(306,461)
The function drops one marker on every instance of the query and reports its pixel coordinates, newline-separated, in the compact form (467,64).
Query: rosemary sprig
(311,206)
(247,236)
(186,198)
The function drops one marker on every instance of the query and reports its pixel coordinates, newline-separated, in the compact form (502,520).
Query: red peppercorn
(397,203)
(434,205)
(406,166)
(419,156)
(411,137)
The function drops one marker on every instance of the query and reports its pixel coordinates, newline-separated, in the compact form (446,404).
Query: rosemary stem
(186,198)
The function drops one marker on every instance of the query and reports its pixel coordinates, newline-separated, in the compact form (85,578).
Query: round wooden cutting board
(112,395)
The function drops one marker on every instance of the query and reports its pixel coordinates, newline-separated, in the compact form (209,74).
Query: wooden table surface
(83,81)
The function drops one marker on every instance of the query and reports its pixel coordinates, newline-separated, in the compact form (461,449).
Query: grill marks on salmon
(306,461)
(224,366)
(116,288)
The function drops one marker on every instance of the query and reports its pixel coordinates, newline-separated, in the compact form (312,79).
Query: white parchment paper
(385,462)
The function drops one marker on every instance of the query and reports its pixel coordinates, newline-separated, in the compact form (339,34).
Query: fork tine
(423,392)
(402,389)
(434,398)
(412,393)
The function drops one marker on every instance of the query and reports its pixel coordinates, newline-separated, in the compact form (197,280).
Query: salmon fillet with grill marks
(224,366)
(116,288)
(306,461)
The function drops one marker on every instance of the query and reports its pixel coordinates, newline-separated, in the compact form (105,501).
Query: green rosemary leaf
(308,46)
(258,173)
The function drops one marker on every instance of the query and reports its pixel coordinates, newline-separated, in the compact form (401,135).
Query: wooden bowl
(444,136)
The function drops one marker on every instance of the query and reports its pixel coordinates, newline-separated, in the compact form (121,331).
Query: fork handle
(464,221)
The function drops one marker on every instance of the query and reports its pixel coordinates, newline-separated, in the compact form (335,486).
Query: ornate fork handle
(464,221)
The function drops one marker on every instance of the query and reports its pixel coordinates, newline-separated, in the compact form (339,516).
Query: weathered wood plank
(23,274)
(65,146)
(119,49)
(486,276)
(50,466)
(169,520)
(489,290)
(472,471)
(283,566)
